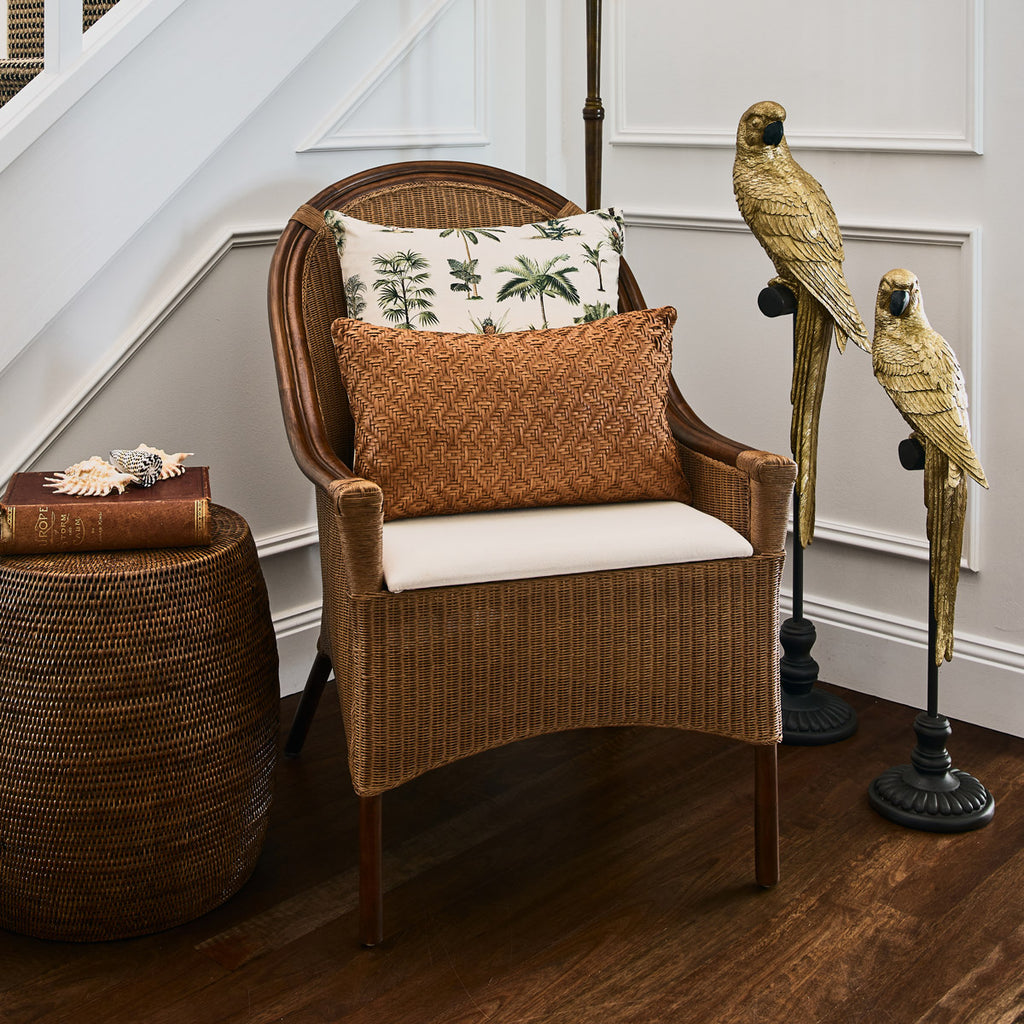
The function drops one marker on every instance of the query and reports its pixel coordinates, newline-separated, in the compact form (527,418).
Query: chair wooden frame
(710,670)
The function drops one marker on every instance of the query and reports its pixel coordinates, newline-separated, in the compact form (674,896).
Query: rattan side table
(138,732)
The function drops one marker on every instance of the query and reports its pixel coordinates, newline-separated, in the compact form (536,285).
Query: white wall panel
(869,75)
(427,89)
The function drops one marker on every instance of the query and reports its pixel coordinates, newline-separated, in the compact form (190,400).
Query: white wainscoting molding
(825,613)
(873,540)
(333,132)
(293,622)
(145,327)
(297,620)
(887,657)
(911,632)
(290,624)
(287,540)
(967,241)
(296,631)
(966,140)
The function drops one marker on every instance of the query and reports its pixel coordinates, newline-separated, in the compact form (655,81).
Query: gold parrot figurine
(921,375)
(790,215)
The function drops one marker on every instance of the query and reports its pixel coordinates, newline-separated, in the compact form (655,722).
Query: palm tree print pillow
(488,280)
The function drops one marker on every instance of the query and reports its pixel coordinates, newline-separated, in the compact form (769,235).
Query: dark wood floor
(589,878)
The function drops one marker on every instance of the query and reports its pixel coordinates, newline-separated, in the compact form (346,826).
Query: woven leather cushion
(449,423)
(523,543)
(549,274)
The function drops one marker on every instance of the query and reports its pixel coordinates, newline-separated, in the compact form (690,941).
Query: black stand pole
(810,717)
(929,793)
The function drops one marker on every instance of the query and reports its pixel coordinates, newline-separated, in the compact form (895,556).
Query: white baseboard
(886,656)
(984,684)
(297,630)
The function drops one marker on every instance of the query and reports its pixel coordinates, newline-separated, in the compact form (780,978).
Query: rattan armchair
(709,665)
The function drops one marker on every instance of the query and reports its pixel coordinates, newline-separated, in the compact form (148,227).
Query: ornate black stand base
(815,719)
(929,794)
(810,717)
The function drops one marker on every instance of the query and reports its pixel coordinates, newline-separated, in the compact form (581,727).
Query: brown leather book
(173,513)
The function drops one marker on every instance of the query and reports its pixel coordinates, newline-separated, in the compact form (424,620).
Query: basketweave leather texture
(449,423)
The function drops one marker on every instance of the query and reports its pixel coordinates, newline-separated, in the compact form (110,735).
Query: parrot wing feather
(926,385)
(798,229)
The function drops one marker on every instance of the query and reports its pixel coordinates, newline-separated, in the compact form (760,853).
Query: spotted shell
(91,478)
(144,467)
(172,464)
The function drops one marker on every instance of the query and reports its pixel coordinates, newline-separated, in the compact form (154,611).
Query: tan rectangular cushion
(450,423)
(523,543)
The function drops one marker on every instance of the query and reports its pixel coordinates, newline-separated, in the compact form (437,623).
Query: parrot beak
(773,133)
(898,302)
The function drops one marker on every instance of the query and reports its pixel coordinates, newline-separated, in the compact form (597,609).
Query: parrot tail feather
(812,336)
(947,510)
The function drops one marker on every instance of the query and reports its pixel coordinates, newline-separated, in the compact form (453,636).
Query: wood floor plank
(977,972)
(601,876)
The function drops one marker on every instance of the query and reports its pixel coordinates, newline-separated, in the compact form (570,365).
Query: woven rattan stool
(138,730)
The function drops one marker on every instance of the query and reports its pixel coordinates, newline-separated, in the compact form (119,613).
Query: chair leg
(766,815)
(371,871)
(315,683)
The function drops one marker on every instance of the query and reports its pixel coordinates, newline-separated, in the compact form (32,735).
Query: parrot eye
(898,302)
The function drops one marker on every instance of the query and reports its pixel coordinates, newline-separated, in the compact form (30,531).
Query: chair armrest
(359,505)
(747,488)
(771,488)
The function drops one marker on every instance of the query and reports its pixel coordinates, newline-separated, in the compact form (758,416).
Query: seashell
(144,467)
(172,464)
(92,477)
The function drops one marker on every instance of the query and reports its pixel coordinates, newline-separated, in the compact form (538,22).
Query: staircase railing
(44,36)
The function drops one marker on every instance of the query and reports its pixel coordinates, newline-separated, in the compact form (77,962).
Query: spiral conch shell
(148,465)
(172,464)
(144,467)
(92,477)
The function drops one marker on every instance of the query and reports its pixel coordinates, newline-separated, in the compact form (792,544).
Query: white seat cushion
(480,547)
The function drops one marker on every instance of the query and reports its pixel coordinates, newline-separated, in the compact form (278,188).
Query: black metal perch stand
(810,717)
(929,793)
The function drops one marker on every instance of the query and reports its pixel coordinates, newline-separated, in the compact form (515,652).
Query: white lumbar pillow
(481,547)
